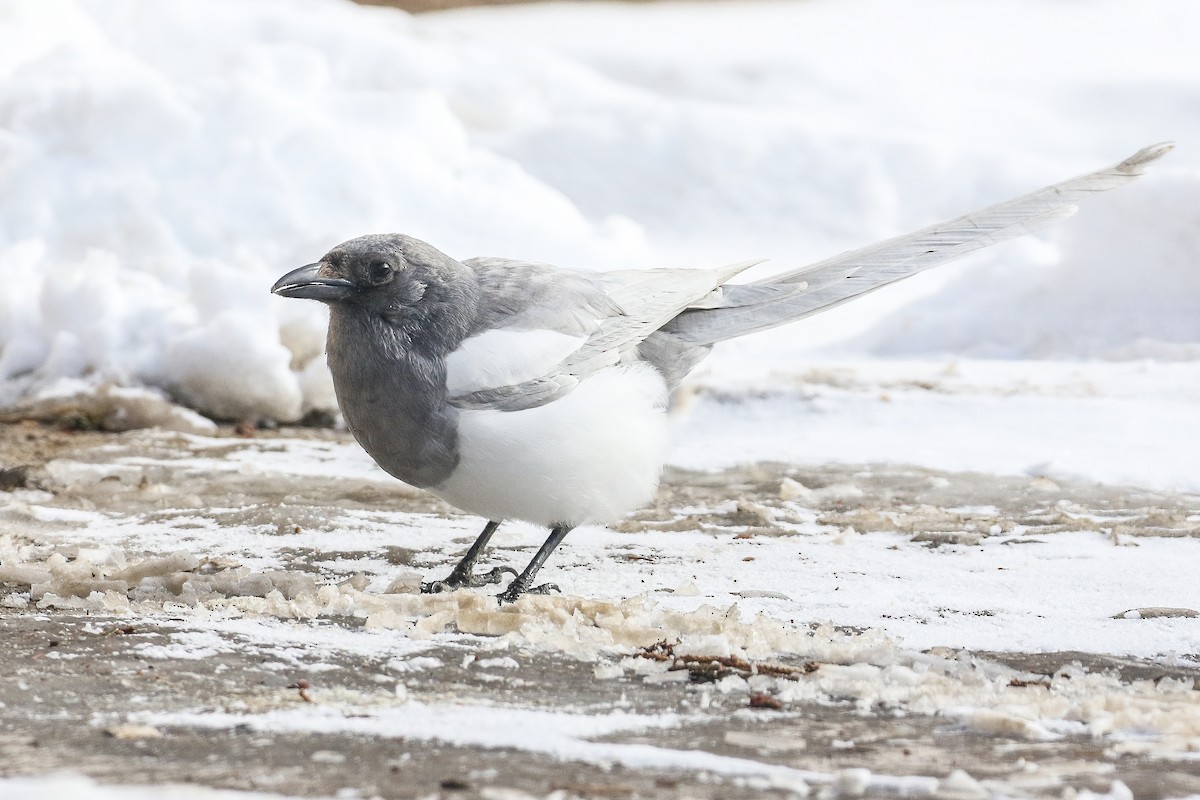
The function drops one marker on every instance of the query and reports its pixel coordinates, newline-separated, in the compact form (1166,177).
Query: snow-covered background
(162,163)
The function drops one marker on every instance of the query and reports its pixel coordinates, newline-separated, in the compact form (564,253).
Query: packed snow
(887,619)
(1123,423)
(1065,592)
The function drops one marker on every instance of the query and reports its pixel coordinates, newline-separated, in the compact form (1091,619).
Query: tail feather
(832,282)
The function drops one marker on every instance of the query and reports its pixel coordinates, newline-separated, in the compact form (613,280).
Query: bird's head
(392,276)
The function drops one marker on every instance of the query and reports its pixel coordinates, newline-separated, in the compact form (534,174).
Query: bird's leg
(464,573)
(520,584)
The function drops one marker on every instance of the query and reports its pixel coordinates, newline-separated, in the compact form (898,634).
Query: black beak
(306,283)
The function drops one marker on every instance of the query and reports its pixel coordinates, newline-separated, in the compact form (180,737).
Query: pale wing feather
(647,300)
(524,295)
(501,356)
(650,299)
(619,310)
(844,277)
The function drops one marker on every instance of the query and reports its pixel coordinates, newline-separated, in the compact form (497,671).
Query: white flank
(591,456)
(501,358)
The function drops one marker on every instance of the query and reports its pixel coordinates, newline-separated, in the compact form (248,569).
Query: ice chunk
(179,561)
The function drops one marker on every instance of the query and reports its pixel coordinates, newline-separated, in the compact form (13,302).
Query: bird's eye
(380,272)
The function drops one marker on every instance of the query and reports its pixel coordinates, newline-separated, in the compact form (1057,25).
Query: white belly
(591,456)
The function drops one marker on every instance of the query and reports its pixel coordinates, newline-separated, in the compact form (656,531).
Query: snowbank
(163,163)
(1127,296)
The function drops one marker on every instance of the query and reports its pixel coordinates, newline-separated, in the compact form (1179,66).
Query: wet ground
(109,692)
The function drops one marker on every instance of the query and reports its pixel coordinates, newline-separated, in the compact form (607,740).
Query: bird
(516,390)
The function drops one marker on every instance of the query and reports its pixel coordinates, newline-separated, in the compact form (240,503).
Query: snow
(79,787)
(889,619)
(1061,592)
(1126,423)
(1124,298)
(167,162)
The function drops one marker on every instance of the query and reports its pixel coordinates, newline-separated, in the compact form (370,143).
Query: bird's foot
(515,590)
(458,580)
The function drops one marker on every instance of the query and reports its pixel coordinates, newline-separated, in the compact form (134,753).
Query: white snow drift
(163,162)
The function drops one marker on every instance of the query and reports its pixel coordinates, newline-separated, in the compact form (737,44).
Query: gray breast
(393,396)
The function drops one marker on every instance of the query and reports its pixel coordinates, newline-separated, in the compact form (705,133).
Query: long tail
(805,291)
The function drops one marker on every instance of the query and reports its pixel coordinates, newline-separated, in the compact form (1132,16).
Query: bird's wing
(524,295)
(559,327)
(531,317)
(834,281)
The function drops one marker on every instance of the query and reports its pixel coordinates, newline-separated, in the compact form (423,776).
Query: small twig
(711,668)
(303,687)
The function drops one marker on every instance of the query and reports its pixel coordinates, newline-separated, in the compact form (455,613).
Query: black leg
(520,584)
(464,573)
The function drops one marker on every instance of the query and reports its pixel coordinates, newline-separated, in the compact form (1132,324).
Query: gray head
(397,308)
(400,280)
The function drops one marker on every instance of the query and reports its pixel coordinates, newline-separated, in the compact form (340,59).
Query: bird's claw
(515,590)
(492,577)
(458,580)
